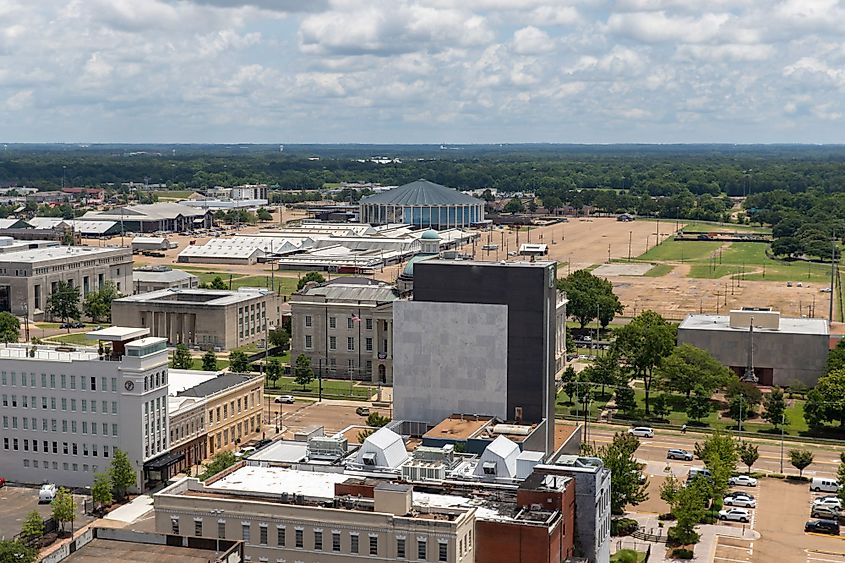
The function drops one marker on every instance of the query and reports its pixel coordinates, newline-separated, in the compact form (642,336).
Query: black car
(822,527)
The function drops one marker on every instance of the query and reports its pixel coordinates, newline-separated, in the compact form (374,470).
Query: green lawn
(616,557)
(74,339)
(197,363)
(333,387)
(173,194)
(701,226)
(671,250)
(659,270)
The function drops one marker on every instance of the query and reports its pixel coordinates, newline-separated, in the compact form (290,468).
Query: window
(369,344)
(245,531)
(318,539)
(350,343)
(369,324)
(335,541)
(197,526)
(442,551)
(174,525)
(307,341)
(349,322)
(332,343)
(400,548)
(262,534)
(422,549)
(373,545)
(308,320)
(298,537)
(280,535)
(221,529)
(353,543)
(332,322)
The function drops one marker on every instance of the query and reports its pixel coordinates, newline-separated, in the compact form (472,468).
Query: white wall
(449,358)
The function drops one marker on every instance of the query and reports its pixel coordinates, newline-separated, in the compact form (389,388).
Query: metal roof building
(422,204)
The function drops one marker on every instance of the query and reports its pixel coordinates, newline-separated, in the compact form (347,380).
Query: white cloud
(653,27)
(532,41)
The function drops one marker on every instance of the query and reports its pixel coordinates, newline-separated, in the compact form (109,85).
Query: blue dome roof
(430,234)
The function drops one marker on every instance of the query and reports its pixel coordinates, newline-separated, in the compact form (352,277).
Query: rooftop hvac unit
(369,459)
(327,447)
(489,467)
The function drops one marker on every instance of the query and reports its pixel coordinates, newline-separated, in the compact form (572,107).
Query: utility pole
(631,234)
(782,422)
(832,272)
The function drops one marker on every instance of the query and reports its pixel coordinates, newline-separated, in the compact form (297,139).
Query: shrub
(676,537)
(625,556)
(666,516)
(682,553)
(623,526)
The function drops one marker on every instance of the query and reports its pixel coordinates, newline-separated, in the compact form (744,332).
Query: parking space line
(824,560)
(729,559)
(734,546)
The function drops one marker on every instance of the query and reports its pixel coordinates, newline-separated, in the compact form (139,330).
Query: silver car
(676,453)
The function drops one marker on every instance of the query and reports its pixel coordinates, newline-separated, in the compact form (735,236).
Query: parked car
(47,493)
(826,512)
(287,399)
(822,527)
(829,500)
(245,452)
(77,324)
(676,453)
(742,481)
(819,484)
(642,432)
(735,515)
(2,482)
(696,471)
(740,499)
(362,411)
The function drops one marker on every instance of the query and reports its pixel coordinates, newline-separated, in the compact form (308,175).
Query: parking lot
(17,502)
(333,416)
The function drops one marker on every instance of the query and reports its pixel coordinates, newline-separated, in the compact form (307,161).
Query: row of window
(229,436)
(64,381)
(317,539)
(350,322)
(350,343)
(31,423)
(65,465)
(67,448)
(51,403)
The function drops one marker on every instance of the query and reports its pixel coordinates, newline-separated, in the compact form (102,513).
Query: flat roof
(99,550)
(198,297)
(179,380)
(515,264)
(117,333)
(48,253)
(458,428)
(277,480)
(216,385)
(788,325)
(282,451)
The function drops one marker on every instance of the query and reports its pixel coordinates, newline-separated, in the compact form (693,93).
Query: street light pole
(782,422)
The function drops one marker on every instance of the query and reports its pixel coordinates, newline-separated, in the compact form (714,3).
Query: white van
(47,493)
(824,484)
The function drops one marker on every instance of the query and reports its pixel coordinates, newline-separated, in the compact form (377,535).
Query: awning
(164,460)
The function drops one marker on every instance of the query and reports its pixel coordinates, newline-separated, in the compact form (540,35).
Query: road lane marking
(720,558)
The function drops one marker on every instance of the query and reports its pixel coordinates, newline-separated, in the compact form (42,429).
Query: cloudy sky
(422,71)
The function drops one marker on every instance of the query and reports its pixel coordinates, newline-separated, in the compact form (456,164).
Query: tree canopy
(688,367)
(590,296)
(10,327)
(310,277)
(625,485)
(97,304)
(64,301)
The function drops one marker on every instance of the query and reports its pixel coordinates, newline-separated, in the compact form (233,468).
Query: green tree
(604,371)
(218,283)
(121,473)
(720,456)
(840,476)
(748,453)
(182,358)
(661,407)
(377,420)
(588,297)
(569,380)
(514,206)
(699,405)
(264,215)
(97,304)
(303,373)
(687,367)
(670,488)
(278,337)
(13,551)
(626,400)
(64,302)
(310,277)
(10,327)
(32,527)
(102,490)
(836,357)
(63,507)
(618,458)
(643,344)
(689,507)
(775,406)
(209,361)
(826,402)
(274,370)
(220,461)
(238,361)
(800,460)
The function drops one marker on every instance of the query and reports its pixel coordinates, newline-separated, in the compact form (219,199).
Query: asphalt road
(825,463)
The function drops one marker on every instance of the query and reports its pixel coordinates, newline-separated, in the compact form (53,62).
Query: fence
(641,547)
(650,535)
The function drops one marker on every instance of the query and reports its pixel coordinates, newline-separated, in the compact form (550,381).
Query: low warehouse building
(782,351)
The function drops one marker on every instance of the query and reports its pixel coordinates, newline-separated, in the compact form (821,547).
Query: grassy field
(197,363)
(701,226)
(334,387)
(659,270)
(173,194)
(284,285)
(671,250)
(73,339)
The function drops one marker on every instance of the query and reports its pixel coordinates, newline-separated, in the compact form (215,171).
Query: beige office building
(206,318)
(308,517)
(29,277)
(345,326)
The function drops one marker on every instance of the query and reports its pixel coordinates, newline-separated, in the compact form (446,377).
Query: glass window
(422,549)
(318,539)
(262,534)
(400,548)
(280,535)
(353,543)
(298,538)
(221,529)
(335,541)
(245,531)
(197,526)
(442,551)
(373,545)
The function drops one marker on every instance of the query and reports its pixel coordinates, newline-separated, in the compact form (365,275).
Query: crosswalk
(734,550)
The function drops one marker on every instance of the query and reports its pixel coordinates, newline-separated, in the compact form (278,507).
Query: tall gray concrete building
(479,337)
